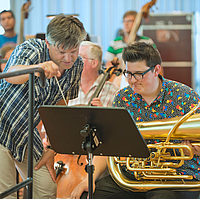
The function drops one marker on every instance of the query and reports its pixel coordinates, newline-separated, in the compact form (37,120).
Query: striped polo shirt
(14,100)
(116,47)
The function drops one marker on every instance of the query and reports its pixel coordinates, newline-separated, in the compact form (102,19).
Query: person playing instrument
(116,46)
(58,56)
(7,21)
(148,97)
(92,56)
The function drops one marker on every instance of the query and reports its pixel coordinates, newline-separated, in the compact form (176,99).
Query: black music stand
(92,130)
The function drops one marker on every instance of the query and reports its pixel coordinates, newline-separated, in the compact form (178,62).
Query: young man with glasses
(148,97)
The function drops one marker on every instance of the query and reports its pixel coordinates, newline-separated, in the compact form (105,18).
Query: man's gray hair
(65,30)
(95,52)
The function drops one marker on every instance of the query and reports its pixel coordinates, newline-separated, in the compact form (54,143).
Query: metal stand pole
(90,171)
(29,181)
(30,135)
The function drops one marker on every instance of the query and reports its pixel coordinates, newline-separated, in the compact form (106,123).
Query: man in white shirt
(92,56)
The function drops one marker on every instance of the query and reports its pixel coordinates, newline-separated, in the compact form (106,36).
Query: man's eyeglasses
(86,58)
(137,76)
(128,21)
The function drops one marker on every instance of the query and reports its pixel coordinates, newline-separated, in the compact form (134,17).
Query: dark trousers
(106,188)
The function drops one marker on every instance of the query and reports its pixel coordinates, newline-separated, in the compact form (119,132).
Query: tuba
(160,169)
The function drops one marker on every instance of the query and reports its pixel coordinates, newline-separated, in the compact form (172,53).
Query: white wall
(100,17)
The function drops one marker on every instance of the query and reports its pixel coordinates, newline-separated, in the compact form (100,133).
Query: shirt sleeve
(24,54)
(190,100)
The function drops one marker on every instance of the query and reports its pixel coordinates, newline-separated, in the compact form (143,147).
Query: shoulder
(112,86)
(32,51)
(179,88)
(126,91)
(33,43)
(118,39)
(117,45)
(172,84)
(31,48)
(123,97)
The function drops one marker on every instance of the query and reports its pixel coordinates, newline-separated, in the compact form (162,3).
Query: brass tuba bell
(159,170)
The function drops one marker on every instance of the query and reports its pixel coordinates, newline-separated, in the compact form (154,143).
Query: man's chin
(137,89)
(66,66)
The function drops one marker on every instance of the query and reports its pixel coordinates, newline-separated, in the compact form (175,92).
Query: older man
(92,56)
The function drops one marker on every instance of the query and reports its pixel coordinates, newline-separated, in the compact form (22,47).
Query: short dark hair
(141,51)
(7,11)
(128,13)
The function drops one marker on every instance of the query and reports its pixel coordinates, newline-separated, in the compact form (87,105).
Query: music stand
(103,131)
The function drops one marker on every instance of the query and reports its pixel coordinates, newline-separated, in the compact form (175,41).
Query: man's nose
(6,20)
(68,56)
(132,79)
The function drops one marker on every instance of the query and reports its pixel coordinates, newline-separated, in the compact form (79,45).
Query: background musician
(92,56)
(7,21)
(148,97)
(116,46)
(58,57)
(122,40)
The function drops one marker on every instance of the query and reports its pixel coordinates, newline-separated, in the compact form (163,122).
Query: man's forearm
(100,165)
(19,79)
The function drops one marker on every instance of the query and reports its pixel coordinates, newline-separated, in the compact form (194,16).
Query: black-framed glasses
(137,76)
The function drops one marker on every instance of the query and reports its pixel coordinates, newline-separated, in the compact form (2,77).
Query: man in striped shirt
(58,57)
(92,56)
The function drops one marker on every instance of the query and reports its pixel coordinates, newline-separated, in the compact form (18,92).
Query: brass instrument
(159,169)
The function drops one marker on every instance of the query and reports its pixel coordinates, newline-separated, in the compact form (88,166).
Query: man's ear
(94,63)
(47,43)
(157,69)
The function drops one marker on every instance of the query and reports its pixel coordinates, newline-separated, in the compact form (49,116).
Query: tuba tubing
(159,129)
(158,173)
(143,186)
